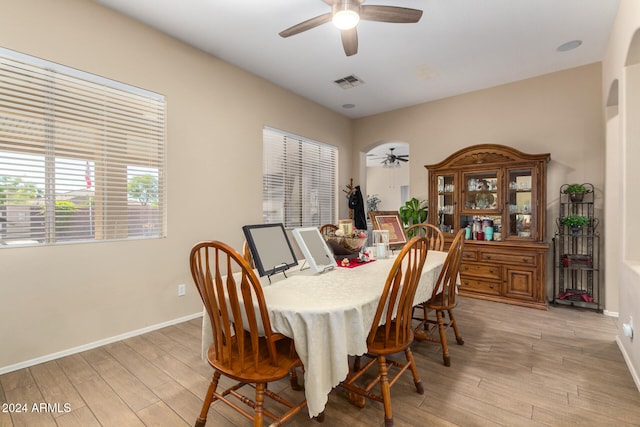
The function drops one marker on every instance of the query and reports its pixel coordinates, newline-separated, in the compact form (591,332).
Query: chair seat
(265,371)
(380,345)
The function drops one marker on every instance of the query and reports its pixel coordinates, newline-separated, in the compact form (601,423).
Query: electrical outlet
(182,289)
(627,328)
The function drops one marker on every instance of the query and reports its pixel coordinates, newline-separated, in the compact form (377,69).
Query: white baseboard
(627,359)
(74,350)
(611,313)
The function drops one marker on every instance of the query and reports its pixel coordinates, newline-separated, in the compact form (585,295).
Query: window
(82,158)
(299,180)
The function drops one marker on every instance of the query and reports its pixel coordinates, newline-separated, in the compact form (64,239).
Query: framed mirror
(315,249)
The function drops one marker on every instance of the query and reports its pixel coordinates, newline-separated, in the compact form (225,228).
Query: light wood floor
(518,367)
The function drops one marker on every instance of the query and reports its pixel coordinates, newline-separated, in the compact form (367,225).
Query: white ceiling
(458,46)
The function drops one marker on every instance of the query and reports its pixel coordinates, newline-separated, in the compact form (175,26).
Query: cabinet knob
(525,259)
(488,256)
(465,283)
(491,286)
(491,271)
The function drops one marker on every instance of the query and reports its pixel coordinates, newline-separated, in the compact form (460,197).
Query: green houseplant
(414,211)
(575,191)
(575,222)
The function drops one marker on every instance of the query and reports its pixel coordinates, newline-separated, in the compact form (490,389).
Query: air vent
(349,81)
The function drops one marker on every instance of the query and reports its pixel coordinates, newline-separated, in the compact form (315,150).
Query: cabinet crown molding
(487,153)
(482,158)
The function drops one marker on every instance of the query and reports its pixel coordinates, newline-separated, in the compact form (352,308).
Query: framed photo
(389,220)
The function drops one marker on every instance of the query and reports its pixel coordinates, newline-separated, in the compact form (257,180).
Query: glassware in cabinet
(520,191)
(481,191)
(446,202)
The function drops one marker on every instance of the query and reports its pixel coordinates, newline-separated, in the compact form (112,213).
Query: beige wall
(56,298)
(559,113)
(386,183)
(621,84)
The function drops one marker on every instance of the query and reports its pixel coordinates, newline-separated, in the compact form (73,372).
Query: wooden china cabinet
(499,193)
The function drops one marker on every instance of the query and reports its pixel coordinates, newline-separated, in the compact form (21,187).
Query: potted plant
(575,222)
(372,202)
(575,191)
(414,211)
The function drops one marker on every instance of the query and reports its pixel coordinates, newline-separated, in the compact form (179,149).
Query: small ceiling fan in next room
(345,15)
(391,159)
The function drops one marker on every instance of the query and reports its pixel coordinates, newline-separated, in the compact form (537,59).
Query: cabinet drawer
(512,258)
(469,284)
(481,270)
(469,255)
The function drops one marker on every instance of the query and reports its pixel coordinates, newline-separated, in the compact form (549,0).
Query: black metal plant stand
(576,255)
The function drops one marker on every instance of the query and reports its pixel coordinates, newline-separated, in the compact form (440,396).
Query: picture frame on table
(390,220)
(270,248)
(315,249)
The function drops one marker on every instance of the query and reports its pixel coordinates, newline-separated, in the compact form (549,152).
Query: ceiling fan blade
(306,25)
(390,14)
(350,41)
(402,160)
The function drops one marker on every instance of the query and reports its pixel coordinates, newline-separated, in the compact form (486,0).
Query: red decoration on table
(354,263)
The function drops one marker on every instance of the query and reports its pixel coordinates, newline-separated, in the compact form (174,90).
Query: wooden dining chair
(244,349)
(433,234)
(246,254)
(435,240)
(444,300)
(391,331)
(328,229)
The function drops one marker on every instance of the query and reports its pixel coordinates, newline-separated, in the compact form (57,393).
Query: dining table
(329,316)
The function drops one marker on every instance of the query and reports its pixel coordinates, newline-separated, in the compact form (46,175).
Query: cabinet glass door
(480,192)
(520,196)
(446,202)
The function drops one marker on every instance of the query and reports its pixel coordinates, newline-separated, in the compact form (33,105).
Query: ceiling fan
(392,159)
(346,14)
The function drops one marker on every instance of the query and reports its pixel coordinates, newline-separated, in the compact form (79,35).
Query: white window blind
(299,180)
(82,158)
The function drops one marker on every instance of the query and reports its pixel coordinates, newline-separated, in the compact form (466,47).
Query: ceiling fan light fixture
(345,15)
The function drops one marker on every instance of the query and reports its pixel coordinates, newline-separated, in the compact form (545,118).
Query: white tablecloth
(329,317)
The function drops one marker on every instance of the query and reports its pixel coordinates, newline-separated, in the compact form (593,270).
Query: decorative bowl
(345,246)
